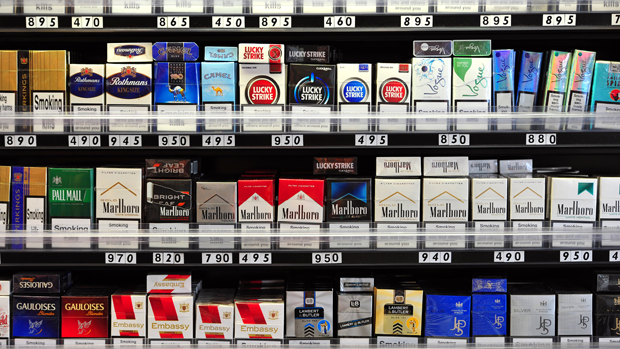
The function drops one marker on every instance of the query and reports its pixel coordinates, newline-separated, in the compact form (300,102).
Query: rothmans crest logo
(226,315)
(57,180)
(184,307)
(459,304)
(86,71)
(17,177)
(139,305)
(273,314)
(35,327)
(128,71)
(24,60)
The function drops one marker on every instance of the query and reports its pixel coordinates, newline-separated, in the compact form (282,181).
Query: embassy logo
(311,90)
(585,187)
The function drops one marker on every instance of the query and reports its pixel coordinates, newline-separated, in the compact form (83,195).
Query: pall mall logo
(458,326)
(544,326)
(57,180)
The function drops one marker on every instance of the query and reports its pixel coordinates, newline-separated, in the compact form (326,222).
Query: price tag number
(120,258)
(217,258)
(416,21)
(173,141)
(339,22)
(614,256)
(168,258)
(218,140)
(254,258)
(435,257)
(125,141)
(327,258)
(454,139)
(371,140)
(287,140)
(20,141)
(560,20)
(84,141)
(172,22)
(615,19)
(509,256)
(275,22)
(576,256)
(228,22)
(42,22)
(87,22)
(540,139)
(495,20)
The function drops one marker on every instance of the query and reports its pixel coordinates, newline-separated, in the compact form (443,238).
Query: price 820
(168,258)
(435,257)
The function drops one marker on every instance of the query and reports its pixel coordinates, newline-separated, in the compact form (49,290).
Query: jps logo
(57,180)
(544,324)
(499,320)
(617,328)
(354,304)
(458,326)
(583,321)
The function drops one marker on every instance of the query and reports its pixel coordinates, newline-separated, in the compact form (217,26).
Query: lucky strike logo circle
(262,90)
(275,53)
(311,90)
(354,90)
(394,91)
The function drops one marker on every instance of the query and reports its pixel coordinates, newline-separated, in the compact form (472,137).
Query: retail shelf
(258,245)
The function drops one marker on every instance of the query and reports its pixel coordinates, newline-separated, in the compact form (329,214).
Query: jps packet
(529,78)
(86,87)
(489,314)
(447,316)
(130,52)
(489,285)
(175,51)
(398,166)
(220,54)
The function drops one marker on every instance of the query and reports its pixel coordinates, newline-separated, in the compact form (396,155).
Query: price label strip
(509,256)
(125,140)
(284,22)
(42,22)
(452,139)
(173,141)
(217,258)
(120,258)
(416,21)
(218,140)
(371,140)
(85,141)
(560,20)
(172,22)
(237,22)
(254,258)
(576,256)
(327,258)
(20,141)
(495,20)
(435,257)
(540,139)
(339,22)
(168,258)
(287,140)
(87,22)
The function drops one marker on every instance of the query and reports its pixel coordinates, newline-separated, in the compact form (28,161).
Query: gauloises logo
(312,90)
(129,51)
(354,90)
(394,90)
(262,90)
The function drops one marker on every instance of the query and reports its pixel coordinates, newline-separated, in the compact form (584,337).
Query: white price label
(540,139)
(87,22)
(339,22)
(287,140)
(173,141)
(254,258)
(435,257)
(125,140)
(560,20)
(371,140)
(454,139)
(614,256)
(120,258)
(327,258)
(20,141)
(217,258)
(228,22)
(84,141)
(576,256)
(615,19)
(416,21)
(495,20)
(509,256)
(275,22)
(42,22)
(218,140)
(168,258)
(171,22)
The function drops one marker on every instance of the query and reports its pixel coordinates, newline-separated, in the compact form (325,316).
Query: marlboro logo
(447,193)
(491,189)
(394,91)
(530,189)
(262,90)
